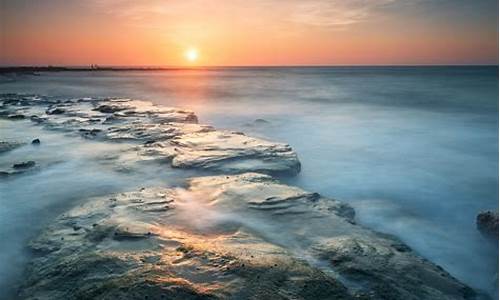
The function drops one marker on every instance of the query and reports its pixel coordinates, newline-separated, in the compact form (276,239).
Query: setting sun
(191,54)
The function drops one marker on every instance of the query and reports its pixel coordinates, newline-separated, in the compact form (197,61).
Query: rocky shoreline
(239,234)
(161,133)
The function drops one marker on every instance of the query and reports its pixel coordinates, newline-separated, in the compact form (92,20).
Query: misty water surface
(413,150)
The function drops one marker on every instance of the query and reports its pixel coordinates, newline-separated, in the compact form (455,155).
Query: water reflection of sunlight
(189,88)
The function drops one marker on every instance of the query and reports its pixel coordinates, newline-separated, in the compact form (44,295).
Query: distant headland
(33,69)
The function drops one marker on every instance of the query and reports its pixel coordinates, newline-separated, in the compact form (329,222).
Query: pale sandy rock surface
(243,236)
(229,152)
(168,133)
(237,237)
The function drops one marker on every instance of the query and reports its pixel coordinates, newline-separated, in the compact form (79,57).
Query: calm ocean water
(413,149)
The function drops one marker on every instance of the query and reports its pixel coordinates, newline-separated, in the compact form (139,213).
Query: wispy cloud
(325,13)
(334,13)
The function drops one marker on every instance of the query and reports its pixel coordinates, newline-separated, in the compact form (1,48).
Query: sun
(191,54)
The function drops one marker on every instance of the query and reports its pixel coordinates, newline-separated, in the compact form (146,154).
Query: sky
(246,32)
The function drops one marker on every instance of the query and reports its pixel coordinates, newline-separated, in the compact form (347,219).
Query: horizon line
(96,67)
(242,65)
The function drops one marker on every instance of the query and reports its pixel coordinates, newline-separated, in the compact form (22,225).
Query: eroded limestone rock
(138,108)
(154,132)
(228,152)
(241,237)
(167,133)
(238,237)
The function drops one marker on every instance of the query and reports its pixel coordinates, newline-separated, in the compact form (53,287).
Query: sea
(413,149)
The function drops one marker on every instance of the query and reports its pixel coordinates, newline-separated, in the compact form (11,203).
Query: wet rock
(261,122)
(257,123)
(24,165)
(171,134)
(372,262)
(125,233)
(105,108)
(137,108)
(16,117)
(112,119)
(218,237)
(90,133)
(37,119)
(230,152)
(487,224)
(35,142)
(8,146)
(218,240)
(151,131)
(55,111)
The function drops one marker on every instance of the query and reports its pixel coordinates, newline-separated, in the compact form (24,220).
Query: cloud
(324,13)
(335,13)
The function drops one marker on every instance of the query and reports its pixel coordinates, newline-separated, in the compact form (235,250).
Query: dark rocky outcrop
(487,224)
(24,165)
(15,117)
(55,111)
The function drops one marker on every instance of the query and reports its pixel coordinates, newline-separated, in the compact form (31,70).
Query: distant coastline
(31,69)
(92,68)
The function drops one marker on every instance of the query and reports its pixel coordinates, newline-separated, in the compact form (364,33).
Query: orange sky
(259,32)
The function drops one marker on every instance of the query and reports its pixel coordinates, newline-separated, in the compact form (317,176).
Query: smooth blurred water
(68,170)
(413,149)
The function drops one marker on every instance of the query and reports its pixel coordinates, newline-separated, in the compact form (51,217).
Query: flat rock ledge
(226,237)
(162,132)
(230,236)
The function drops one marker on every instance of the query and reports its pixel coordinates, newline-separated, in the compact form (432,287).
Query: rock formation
(487,224)
(166,132)
(239,235)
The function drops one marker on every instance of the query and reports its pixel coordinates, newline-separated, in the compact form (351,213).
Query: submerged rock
(55,111)
(105,108)
(261,121)
(90,133)
(18,168)
(237,237)
(8,146)
(24,165)
(16,116)
(487,224)
(35,142)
